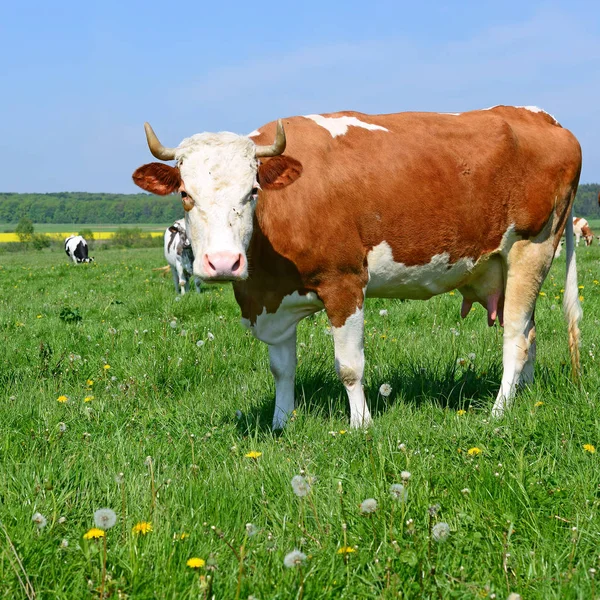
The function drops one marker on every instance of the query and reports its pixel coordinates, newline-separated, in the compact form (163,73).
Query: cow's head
(588,235)
(218,176)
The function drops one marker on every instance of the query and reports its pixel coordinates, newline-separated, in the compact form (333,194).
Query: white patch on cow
(339,125)
(536,109)
(254,133)
(273,328)
(451,114)
(389,279)
(218,171)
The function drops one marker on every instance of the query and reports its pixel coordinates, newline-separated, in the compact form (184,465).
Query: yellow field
(98,235)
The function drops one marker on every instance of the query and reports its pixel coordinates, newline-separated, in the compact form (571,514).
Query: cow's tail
(571,304)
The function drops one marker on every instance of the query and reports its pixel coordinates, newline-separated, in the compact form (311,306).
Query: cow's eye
(254,191)
(184,194)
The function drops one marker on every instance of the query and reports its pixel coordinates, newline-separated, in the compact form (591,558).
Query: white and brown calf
(180,257)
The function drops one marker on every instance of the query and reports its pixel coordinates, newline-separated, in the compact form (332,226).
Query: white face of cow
(218,181)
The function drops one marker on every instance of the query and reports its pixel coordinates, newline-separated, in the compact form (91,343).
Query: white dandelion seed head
(294,559)
(402,447)
(251,530)
(514,596)
(465,491)
(210,336)
(405,475)
(385,389)
(399,492)
(62,520)
(368,506)
(471,356)
(173,324)
(112,331)
(105,518)
(440,532)
(300,486)
(64,544)
(148,461)
(200,343)
(62,427)
(40,520)
(383,312)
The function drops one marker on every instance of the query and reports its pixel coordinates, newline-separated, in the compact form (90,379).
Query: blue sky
(79,79)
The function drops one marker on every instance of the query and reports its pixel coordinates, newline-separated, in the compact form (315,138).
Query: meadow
(118,394)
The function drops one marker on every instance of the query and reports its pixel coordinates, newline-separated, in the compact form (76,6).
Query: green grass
(511,509)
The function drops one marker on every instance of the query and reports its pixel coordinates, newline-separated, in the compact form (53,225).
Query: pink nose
(223,264)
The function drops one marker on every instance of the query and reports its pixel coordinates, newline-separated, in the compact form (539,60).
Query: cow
(581,229)
(77,249)
(340,216)
(180,257)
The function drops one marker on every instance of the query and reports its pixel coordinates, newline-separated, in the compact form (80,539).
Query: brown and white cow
(341,215)
(581,229)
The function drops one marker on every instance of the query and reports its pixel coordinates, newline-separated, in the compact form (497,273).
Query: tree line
(83,207)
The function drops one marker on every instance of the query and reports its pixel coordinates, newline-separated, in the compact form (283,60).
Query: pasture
(118,394)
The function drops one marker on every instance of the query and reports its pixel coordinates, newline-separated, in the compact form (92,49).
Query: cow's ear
(173,229)
(158,178)
(279,171)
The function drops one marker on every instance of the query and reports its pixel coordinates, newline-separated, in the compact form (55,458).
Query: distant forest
(82,207)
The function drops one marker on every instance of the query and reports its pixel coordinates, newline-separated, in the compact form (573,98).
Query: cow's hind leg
(528,263)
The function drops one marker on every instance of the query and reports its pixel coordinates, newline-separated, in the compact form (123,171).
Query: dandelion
(465,491)
(195,563)
(402,447)
(589,448)
(398,492)
(112,331)
(580,298)
(62,427)
(454,331)
(542,294)
(433,510)
(346,550)
(142,527)
(461,362)
(294,559)
(88,398)
(200,343)
(62,520)
(148,461)
(89,382)
(368,506)
(173,324)
(440,532)
(105,518)
(40,520)
(385,389)
(253,454)
(471,356)
(474,451)
(106,367)
(210,336)
(300,486)
(538,403)
(62,399)
(383,312)
(405,475)
(94,534)
(251,530)
(514,596)
(119,478)
(461,412)
(64,544)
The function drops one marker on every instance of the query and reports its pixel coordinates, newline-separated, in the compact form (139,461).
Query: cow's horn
(278,146)
(157,149)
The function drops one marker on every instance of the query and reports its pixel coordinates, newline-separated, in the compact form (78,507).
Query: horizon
(79,90)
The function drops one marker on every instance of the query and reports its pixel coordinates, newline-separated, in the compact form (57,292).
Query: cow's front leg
(350,365)
(282,358)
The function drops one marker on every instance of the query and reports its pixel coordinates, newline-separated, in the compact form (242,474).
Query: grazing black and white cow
(77,249)
(180,256)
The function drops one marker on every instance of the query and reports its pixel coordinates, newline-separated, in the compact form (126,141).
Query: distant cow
(581,229)
(180,256)
(77,249)
(346,214)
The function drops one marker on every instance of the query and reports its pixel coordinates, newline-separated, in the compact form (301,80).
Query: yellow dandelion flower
(62,399)
(93,534)
(88,398)
(183,536)
(450,293)
(253,454)
(342,431)
(580,298)
(474,451)
(89,382)
(538,403)
(461,412)
(582,287)
(39,317)
(346,550)
(195,563)
(542,293)
(596,282)
(589,448)
(142,527)
(106,367)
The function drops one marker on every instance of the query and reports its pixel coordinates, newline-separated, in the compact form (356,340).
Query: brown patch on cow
(406,187)
(157,178)
(278,172)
